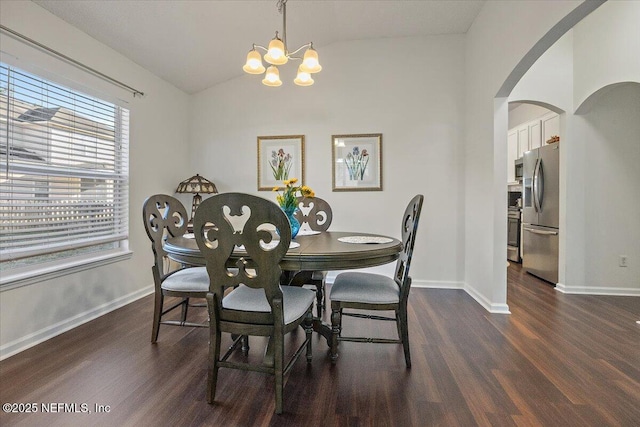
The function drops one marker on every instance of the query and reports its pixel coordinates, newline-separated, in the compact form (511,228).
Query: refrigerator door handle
(534,186)
(540,185)
(542,232)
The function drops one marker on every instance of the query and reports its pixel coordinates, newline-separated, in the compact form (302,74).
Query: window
(63,172)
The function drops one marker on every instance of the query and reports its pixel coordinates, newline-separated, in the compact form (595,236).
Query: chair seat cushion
(364,287)
(193,279)
(295,301)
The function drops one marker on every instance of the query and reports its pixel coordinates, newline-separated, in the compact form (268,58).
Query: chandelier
(278,54)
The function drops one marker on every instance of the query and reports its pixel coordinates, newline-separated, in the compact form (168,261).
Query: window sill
(35,275)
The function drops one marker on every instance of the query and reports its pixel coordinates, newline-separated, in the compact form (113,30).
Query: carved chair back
(164,216)
(409,228)
(314,211)
(227,220)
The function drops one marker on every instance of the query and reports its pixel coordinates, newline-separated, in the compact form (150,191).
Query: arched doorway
(592,260)
(534,131)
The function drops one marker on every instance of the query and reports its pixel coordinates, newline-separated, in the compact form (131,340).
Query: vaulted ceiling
(197,44)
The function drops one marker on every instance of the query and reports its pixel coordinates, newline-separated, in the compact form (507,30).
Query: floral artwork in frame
(279,158)
(357,162)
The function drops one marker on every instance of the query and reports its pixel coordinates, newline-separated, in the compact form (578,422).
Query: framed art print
(357,162)
(280,158)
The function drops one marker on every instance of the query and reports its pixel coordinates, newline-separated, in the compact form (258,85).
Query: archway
(501,100)
(592,99)
(534,232)
(601,80)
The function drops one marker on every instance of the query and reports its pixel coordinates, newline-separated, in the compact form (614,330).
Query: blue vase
(295,225)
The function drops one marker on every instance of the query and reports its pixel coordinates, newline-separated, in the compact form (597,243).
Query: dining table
(309,251)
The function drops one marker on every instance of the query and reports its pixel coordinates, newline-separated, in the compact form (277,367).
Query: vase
(295,225)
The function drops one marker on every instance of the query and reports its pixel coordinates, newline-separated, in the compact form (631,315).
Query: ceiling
(197,44)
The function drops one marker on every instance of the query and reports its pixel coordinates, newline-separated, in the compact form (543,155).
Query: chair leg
(324,295)
(404,335)
(214,351)
(336,326)
(308,329)
(157,313)
(277,340)
(245,345)
(185,307)
(320,297)
(279,370)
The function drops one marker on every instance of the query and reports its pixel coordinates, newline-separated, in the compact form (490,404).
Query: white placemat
(308,232)
(271,245)
(365,239)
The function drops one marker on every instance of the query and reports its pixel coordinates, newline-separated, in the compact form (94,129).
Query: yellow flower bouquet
(288,201)
(288,198)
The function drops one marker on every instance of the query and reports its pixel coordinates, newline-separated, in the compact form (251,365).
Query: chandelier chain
(280,5)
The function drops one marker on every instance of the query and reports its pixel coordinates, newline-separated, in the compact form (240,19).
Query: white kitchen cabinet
(529,136)
(550,126)
(535,134)
(523,140)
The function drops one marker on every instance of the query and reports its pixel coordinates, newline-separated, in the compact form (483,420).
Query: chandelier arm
(299,49)
(260,47)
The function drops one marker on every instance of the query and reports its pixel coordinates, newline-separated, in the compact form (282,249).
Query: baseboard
(488,305)
(437,284)
(598,290)
(28,341)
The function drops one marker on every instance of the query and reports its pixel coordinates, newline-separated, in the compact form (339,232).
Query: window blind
(63,168)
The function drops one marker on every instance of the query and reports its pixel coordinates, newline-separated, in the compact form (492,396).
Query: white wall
(158,161)
(606,48)
(610,136)
(550,78)
(412,95)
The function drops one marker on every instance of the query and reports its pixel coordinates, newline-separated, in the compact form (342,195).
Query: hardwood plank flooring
(557,360)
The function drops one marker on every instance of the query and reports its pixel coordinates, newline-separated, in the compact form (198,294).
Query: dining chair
(317,213)
(164,216)
(245,296)
(368,291)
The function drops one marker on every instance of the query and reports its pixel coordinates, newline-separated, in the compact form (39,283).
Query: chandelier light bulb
(276,52)
(310,62)
(272,78)
(303,78)
(254,63)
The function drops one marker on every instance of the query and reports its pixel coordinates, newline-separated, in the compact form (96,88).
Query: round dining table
(325,251)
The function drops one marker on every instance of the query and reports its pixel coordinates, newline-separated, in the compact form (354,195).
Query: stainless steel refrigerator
(540,212)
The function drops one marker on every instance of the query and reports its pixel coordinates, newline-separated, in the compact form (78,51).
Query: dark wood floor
(557,360)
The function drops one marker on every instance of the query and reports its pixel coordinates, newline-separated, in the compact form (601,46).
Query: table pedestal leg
(323,329)
(319,326)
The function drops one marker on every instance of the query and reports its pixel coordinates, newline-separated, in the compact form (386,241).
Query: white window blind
(63,169)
